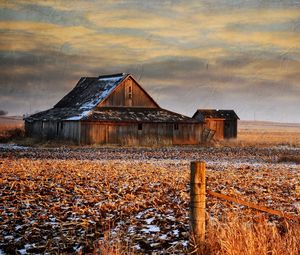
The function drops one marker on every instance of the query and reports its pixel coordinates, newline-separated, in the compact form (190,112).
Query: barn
(112,109)
(223,122)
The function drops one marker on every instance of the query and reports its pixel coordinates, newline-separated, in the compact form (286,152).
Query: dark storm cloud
(40,79)
(239,61)
(173,67)
(195,71)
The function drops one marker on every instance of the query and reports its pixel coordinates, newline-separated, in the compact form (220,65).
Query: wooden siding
(129,133)
(112,133)
(230,129)
(66,130)
(187,134)
(216,125)
(225,129)
(121,96)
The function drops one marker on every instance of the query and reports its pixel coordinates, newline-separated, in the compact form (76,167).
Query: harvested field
(65,200)
(267,134)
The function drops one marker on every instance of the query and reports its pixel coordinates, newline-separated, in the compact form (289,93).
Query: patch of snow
(18,227)
(12,146)
(112,79)
(185,243)
(163,237)
(171,218)
(286,147)
(77,248)
(22,251)
(136,247)
(8,237)
(79,116)
(149,221)
(151,229)
(175,232)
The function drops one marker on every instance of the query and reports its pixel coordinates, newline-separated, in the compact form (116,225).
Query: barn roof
(114,114)
(90,91)
(57,114)
(81,104)
(215,114)
(138,115)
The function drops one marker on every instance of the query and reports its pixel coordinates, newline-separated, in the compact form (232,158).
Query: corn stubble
(141,206)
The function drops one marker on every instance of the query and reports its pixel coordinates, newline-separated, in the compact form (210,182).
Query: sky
(217,54)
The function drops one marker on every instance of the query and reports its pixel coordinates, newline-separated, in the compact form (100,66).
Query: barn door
(128,93)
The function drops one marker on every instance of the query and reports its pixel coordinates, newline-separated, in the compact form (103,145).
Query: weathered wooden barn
(223,122)
(113,109)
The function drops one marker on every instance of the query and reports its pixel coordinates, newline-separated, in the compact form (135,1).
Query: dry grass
(14,134)
(263,138)
(11,129)
(230,236)
(112,246)
(233,236)
(9,124)
(289,159)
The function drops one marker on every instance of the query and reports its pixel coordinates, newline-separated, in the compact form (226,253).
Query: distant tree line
(2,112)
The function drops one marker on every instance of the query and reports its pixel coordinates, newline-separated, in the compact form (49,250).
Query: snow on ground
(12,146)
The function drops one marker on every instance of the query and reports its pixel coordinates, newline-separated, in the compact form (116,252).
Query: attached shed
(223,122)
(113,109)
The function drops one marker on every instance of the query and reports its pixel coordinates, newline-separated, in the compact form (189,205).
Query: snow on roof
(90,91)
(82,99)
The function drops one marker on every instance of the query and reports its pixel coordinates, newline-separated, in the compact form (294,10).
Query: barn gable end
(128,94)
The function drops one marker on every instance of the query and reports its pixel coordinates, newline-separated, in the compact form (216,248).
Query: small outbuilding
(113,109)
(222,122)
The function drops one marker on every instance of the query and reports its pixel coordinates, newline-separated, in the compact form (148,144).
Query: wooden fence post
(198,197)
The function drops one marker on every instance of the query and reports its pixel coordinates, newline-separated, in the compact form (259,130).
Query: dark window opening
(176,126)
(140,126)
(61,126)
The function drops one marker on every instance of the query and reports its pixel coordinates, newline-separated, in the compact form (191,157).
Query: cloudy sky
(231,54)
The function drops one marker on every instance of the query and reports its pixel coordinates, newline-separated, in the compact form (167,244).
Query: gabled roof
(202,114)
(90,91)
(84,97)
